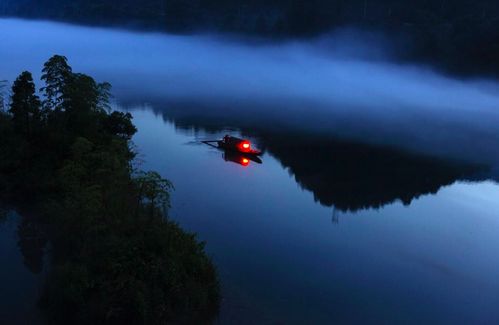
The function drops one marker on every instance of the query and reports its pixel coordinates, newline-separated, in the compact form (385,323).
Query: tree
(56,74)
(74,102)
(25,105)
(115,257)
(153,190)
(84,102)
(3,86)
(104,97)
(120,124)
(81,94)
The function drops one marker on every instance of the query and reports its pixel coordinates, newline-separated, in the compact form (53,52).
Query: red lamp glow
(245,146)
(245,161)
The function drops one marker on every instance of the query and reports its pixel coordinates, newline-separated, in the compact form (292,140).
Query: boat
(236,150)
(236,144)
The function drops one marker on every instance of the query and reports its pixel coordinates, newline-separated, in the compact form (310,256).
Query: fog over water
(330,85)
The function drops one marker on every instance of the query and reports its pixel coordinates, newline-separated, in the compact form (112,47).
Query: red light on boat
(245,146)
(245,162)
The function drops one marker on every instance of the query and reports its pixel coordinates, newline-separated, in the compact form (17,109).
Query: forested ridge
(460,35)
(115,257)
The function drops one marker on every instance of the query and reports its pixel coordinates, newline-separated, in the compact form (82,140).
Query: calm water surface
(284,258)
(20,272)
(376,201)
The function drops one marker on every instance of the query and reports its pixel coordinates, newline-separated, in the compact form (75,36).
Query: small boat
(236,150)
(239,145)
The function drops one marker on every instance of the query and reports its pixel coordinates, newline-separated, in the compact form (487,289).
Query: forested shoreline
(115,257)
(459,36)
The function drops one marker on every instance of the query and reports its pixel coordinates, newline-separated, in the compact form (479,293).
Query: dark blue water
(20,282)
(284,258)
(376,201)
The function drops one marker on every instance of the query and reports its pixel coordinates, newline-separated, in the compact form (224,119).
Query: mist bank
(459,36)
(324,86)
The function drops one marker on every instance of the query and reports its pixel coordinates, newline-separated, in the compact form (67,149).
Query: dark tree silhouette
(56,74)
(3,101)
(120,124)
(32,243)
(115,257)
(25,105)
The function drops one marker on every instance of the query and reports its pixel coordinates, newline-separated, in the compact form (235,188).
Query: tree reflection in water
(351,176)
(345,175)
(32,242)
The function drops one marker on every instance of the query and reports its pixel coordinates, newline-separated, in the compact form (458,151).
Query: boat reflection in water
(240,158)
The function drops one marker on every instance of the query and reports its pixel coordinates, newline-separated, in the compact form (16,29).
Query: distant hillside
(458,35)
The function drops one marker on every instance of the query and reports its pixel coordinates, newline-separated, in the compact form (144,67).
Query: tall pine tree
(25,105)
(56,74)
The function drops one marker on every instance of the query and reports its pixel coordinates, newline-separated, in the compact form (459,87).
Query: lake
(21,257)
(376,198)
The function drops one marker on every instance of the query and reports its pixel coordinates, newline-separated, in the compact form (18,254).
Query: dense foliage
(115,258)
(457,34)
